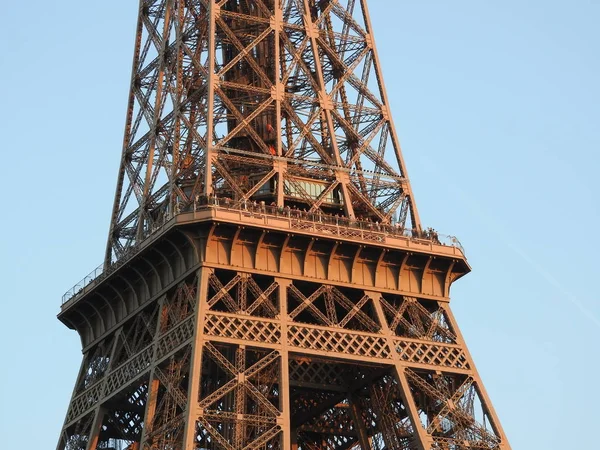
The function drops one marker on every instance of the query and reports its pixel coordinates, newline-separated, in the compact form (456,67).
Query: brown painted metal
(267,283)
(252,99)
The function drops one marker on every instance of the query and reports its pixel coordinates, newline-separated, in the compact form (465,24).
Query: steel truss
(277,101)
(231,360)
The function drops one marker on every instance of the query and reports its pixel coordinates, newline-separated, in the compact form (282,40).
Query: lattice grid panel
(316,372)
(244,329)
(345,342)
(431,354)
(130,370)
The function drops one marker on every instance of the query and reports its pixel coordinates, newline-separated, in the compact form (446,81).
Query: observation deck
(286,220)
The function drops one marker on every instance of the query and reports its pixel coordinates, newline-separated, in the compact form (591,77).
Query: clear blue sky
(498,109)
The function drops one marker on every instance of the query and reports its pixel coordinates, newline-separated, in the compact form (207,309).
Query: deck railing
(314,220)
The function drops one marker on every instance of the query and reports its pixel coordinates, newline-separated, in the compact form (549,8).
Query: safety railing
(313,220)
(79,287)
(101,272)
(317,218)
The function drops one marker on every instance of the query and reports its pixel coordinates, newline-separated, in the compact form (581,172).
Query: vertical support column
(289,435)
(195,375)
(153,383)
(179,29)
(100,410)
(126,135)
(151,403)
(240,398)
(363,435)
(424,440)
(212,80)
(96,428)
(157,112)
(276,25)
(486,402)
(61,441)
(423,436)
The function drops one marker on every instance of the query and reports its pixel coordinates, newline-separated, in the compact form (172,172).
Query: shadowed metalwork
(267,282)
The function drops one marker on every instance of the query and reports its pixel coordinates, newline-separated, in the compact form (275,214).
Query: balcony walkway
(282,219)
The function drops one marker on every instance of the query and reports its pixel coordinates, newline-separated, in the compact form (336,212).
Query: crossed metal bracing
(236,361)
(279,101)
(135,371)
(361,407)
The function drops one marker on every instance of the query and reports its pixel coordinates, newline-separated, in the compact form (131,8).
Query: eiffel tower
(267,283)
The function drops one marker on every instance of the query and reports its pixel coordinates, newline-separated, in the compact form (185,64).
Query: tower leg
(96,429)
(285,421)
(153,386)
(196,362)
(424,439)
(363,436)
(421,436)
(62,441)
(151,404)
(486,402)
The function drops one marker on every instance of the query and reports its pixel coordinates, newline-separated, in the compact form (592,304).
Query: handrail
(101,272)
(428,236)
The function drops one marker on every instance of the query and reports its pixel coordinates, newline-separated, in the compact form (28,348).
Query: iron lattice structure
(245,99)
(267,284)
